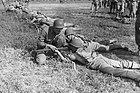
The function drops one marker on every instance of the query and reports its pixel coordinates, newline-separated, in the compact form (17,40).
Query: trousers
(137,32)
(122,68)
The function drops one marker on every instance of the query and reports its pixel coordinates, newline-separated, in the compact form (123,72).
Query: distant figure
(105,3)
(137,28)
(27,2)
(100,3)
(122,7)
(113,6)
(94,6)
(118,9)
(133,9)
(62,1)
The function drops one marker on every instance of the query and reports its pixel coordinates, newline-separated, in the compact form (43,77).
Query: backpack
(60,39)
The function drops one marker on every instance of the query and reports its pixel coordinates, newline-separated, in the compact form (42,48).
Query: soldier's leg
(137,33)
(101,63)
(130,64)
(96,7)
(92,7)
(126,73)
(111,6)
(121,64)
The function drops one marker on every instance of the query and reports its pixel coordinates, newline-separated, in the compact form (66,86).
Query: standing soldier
(105,3)
(137,28)
(94,6)
(100,3)
(133,9)
(27,3)
(113,6)
(122,7)
(118,9)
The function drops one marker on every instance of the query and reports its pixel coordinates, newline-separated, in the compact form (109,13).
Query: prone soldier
(87,53)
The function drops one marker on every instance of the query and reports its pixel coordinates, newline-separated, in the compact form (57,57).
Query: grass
(15,32)
(19,74)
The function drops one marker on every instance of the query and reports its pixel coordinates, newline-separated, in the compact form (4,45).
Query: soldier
(122,7)
(100,3)
(94,6)
(105,3)
(49,36)
(118,9)
(85,52)
(27,2)
(113,6)
(133,9)
(137,28)
(41,19)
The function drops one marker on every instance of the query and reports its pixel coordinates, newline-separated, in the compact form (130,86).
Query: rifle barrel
(40,50)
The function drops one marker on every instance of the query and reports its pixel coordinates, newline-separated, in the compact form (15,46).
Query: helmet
(58,23)
(34,13)
(38,12)
(77,42)
(69,31)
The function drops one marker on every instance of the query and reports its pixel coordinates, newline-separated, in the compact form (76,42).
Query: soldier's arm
(77,57)
(99,47)
(61,56)
(33,20)
(103,48)
(41,40)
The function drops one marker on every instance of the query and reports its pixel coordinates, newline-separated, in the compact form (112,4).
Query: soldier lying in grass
(87,53)
(49,36)
(54,35)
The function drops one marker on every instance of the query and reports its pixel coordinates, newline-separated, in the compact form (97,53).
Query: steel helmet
(76,42)
(38,12)
(69,31)
(58,23)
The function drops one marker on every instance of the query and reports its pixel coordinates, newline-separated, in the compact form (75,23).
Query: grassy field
(19,74)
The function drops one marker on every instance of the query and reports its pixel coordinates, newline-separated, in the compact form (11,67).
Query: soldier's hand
(53,48)
(71,57)
(65,60)
(112,41)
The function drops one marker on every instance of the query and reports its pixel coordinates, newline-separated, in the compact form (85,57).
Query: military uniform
(86,53)
(49,37)
(53,35)
(40,19)
(101,3)
(133,8)
(113,6)
(137,27)
(122,6)
(94,6)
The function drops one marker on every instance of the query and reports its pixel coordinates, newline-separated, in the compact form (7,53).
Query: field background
(19,74)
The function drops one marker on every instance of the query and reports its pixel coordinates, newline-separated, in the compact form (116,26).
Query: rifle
(47,49)
(35,52)
(61,56)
